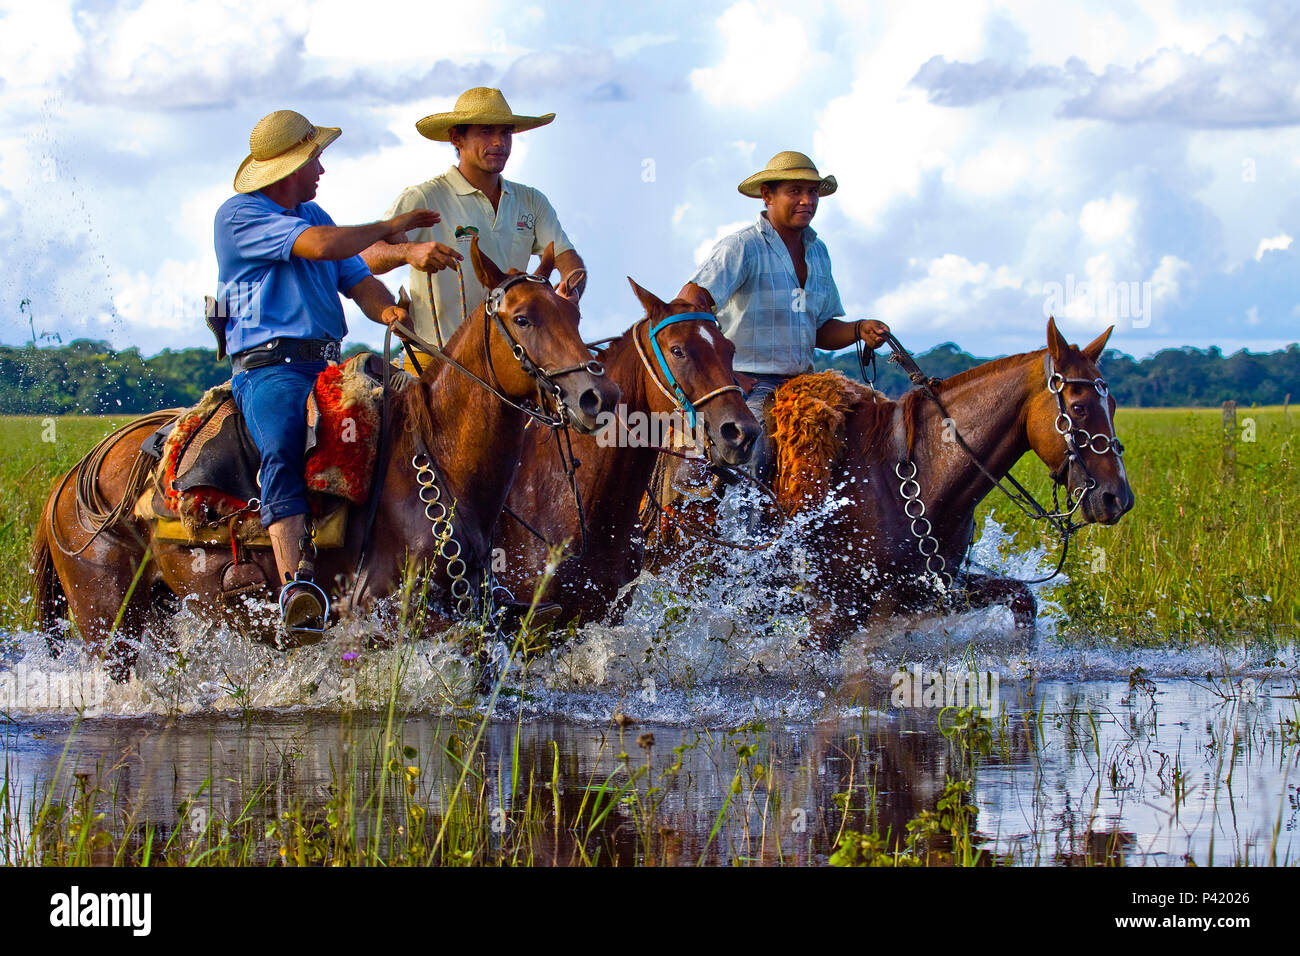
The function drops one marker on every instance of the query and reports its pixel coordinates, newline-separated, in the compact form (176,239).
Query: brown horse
(905,491)
(617,462)
(454,444)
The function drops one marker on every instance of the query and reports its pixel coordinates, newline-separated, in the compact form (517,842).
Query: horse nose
(739,437)
(600,397)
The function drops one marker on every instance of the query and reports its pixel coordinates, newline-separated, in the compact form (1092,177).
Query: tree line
(88,377)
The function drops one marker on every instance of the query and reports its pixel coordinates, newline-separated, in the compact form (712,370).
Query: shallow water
(1092,773)
(1085,764)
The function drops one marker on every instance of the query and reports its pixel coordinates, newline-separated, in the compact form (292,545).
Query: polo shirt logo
(526,221)
(466,233)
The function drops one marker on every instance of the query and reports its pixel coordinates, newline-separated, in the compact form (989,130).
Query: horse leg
(983,590)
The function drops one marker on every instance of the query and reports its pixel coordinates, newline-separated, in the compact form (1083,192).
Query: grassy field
(34,453)
(1206,554)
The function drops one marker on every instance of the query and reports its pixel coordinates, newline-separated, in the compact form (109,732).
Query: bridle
(1061,520)
(1077,438)
(426,472)
(678,395)
(544,377)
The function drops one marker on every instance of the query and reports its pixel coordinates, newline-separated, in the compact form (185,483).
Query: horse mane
(984,368)
(810,417)
(411,410)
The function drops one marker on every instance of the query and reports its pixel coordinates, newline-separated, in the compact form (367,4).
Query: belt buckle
(331,352)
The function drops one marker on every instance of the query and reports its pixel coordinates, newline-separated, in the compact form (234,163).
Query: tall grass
(1207,554)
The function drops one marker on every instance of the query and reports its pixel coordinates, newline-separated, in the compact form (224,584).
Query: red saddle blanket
(209,467)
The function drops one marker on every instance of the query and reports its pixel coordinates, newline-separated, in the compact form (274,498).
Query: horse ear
(547,265)
(655,307)
(1056,344)
(489,276)
(1092,351)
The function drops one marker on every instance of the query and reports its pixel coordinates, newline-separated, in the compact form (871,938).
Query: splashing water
(716,640)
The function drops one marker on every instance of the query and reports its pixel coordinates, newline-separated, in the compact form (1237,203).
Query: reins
(544,377)
(1060,520)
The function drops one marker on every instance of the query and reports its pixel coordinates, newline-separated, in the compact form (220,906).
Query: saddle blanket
(208,468)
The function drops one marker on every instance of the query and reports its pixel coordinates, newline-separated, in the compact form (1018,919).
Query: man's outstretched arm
(376,302)
(343,242)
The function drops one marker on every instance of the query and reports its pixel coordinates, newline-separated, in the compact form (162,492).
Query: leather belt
(285,352)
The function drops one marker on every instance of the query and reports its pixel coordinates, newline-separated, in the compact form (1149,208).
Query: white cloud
(945,293)
(748,76)
(1282,241)
(704,248)
(1105,220)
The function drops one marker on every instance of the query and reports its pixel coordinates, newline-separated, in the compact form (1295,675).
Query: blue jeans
(762,463)
(273,401)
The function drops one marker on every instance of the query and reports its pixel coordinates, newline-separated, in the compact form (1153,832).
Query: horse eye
(677,351)
(1079,408)
(521,320)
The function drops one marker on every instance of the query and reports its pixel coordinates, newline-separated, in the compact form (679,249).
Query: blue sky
(1109,162)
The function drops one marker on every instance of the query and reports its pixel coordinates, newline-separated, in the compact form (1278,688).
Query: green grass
(1208,553)
(34,452)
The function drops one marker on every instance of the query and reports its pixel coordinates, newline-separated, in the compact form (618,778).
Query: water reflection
(1165,772)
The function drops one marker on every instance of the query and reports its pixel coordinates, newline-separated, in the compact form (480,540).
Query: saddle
(208,465)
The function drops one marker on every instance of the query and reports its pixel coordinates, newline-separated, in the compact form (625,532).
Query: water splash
(716,648)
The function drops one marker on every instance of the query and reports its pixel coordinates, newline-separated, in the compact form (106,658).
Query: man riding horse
(283,263)
(770,284)
(512,221)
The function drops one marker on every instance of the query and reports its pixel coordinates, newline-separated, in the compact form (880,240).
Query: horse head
(1071,428)
(533,345)
(687,362)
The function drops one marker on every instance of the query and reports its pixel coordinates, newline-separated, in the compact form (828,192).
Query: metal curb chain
(912,498)
(443,532)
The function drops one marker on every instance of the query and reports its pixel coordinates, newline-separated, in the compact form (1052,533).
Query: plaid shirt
(761,308)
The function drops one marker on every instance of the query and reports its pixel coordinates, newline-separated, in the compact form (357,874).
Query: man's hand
(394,315)
(415,219)
(873,332)
(573,285)
(431,256)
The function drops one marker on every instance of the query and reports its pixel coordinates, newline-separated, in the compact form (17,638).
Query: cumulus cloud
(747,76)
(963,84)
(1282,241)
(1230,83)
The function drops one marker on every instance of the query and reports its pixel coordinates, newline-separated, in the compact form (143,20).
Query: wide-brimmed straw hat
(281,143)
(788,165)
(481,105)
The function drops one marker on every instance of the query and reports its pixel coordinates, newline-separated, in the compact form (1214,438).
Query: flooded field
(700,730)
(623,748)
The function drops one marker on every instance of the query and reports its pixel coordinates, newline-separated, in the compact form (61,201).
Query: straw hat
(480,105)
(788,165)
(281,143)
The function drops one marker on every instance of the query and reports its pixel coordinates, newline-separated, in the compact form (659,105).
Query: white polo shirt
(521,226)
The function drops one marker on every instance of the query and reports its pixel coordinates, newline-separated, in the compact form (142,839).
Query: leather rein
(1060,520)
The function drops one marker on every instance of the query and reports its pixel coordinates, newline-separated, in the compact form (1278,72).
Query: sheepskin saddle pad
(208,467)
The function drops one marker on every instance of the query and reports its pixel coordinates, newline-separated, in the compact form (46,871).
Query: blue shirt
(266,291)
(772,320)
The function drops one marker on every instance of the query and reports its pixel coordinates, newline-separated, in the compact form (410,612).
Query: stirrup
(323,601)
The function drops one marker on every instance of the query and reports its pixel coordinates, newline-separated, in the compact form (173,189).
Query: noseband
(1078,439)
(678,395)
(545,378)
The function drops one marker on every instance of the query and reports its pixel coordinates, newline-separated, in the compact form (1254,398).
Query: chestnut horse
(667,369)
(454,444)
(906,489)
